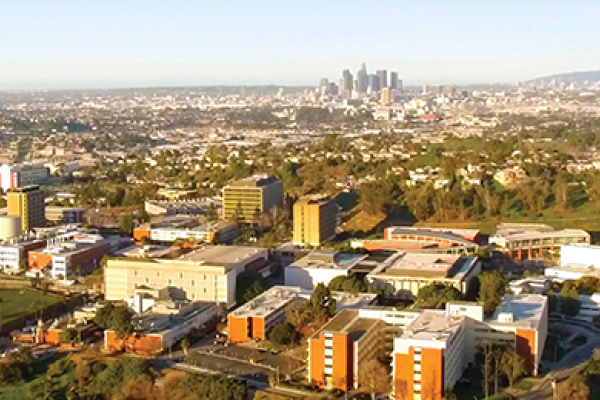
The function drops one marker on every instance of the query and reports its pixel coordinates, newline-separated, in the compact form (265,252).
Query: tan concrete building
(27,203)
(315,220)
(251,196)
(208,274)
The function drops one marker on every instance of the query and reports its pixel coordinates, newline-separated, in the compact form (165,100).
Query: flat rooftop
(268,301)
(221,255)
(188,224)
(254,181)
(526,310)
(314,199)
(516,232)
(327,259)
(428,265)
(433,325)
(348,321)
(279,296)
(161,323)
(459,236)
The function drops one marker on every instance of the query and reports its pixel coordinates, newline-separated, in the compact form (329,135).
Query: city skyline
(104,45)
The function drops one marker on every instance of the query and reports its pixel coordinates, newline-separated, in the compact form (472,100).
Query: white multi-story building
(14,176)
(320,266)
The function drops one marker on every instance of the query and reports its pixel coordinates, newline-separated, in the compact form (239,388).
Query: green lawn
(18,302)
(583,217)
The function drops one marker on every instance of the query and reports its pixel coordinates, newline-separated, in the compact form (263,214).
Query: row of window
(181,276)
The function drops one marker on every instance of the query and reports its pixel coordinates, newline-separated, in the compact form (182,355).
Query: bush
(501,396)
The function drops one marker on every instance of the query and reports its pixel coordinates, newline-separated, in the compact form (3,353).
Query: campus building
(11,253)
(70,254)
(247,198)
(404,274)
(534,240)
(320,266)
(436,348)
(21,175)
(340,347)
(162,325)
(315,220)
(255,319)
(193,207)
(206,274)
(425,240)
(187,229)
(27,203)
(65,215)
(430,349)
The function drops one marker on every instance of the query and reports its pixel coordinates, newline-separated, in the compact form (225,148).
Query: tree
(569,302)
(69,336)
(143,216)
(485,358)
(348,284)
(23,265)
(437,294)
(121,322)
(373,377)
(513,366)
(574,389)
(185,345)
(449,395)
(298,315)
(249,285)
(116,319)
(211,213)
(373,199)
(491,290)
(284,334)
(126,224)
(321,302)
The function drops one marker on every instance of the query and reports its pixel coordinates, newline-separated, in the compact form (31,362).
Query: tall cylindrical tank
(10,226)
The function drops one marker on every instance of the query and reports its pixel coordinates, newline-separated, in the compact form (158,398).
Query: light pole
(553,382)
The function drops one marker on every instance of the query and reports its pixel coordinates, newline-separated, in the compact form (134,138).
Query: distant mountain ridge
(578,77)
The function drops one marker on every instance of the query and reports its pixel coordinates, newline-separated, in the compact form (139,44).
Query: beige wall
(314,223)
(201,283)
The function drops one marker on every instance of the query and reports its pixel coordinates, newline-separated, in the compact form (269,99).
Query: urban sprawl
(358,237)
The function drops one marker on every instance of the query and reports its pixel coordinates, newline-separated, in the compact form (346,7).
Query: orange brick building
(338,349)
(430,350)
(255,319)
(156,332)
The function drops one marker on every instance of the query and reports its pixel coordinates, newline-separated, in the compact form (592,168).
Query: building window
(205,290)
(170,281)
(205,277)
(147,280)
(193,296)
(158,274)
(193,283)
(135,273)
(181,275)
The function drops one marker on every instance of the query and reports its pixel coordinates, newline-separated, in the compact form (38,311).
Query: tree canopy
(248,286)
(321,302)
(348,284)
(284,333)
(491,290)
(436,295)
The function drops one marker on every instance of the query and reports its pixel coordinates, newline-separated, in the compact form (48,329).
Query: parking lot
(241,360)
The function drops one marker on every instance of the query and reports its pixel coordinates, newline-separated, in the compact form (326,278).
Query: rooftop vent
(506,317)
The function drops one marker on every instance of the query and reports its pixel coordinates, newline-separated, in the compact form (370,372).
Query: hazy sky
(115,43)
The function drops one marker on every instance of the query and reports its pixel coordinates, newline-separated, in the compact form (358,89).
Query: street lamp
(553,382)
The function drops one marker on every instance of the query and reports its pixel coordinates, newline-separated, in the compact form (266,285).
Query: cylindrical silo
(10,226)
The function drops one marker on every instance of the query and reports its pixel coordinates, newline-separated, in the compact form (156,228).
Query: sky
(63,44)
